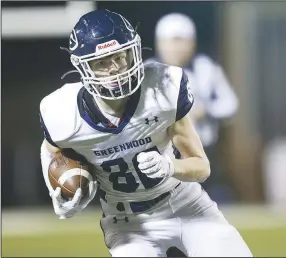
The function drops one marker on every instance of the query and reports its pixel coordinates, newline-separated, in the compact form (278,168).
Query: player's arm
(194,165)
(64,209)
(48,149)
(47,154)
(51,148)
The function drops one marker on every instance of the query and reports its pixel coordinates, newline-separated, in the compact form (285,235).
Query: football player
(123,118)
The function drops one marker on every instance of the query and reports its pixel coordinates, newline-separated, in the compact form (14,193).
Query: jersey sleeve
(59,116)
(176,89)
(46,131)
(185,99)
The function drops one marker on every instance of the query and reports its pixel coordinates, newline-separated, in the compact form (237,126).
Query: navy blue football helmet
(99,34)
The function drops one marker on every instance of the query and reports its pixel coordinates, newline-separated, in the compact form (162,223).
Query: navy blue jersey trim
(184,102)
(90,112)
(46,132)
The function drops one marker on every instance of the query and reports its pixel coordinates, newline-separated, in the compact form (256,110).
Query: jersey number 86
(131,185)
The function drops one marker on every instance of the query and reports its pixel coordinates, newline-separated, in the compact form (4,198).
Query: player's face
(176,51)
(111,65)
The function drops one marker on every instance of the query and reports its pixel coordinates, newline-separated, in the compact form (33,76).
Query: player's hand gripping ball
(74,187)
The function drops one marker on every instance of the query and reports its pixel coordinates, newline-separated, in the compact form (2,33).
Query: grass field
(40,233)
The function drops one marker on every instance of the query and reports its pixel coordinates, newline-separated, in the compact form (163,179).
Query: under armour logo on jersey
(115,220)
(147,120)
(155,119)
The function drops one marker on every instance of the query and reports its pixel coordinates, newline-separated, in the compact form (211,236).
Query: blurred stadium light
(27,22)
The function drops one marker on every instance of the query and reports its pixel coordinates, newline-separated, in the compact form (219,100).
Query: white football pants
(198,229)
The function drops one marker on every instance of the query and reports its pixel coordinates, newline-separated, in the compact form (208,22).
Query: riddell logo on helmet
(107,45)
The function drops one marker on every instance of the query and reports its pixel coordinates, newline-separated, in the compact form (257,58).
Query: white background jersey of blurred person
(123,118)
(215,100)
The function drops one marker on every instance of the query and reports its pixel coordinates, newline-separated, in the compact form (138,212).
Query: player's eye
(120,58)
(101,63)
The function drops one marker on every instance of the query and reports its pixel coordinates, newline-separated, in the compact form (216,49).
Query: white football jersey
(71,119)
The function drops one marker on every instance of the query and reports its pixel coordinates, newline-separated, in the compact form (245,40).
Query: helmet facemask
(116,86)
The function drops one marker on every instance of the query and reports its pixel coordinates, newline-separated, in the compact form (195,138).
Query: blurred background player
(215,100)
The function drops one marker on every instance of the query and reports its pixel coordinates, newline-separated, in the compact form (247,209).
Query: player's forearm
(193,169)
(46,158)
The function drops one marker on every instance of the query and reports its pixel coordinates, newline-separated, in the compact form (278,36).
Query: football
(69,174)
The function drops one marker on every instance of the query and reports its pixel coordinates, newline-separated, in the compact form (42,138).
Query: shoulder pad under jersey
(59,114)
(172,84)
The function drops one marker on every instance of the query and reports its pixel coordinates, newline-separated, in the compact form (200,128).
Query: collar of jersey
(90,112)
